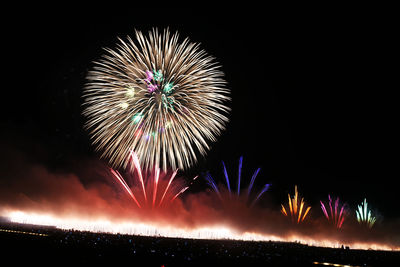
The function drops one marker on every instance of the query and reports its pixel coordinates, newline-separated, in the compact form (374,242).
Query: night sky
(313,95)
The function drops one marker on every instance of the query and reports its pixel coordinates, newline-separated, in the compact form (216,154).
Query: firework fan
(154,189)
(214,186)
(163,99)
(298,211)
(336,214)
(364,215)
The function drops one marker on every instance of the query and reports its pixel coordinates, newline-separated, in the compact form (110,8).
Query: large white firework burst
(163,99)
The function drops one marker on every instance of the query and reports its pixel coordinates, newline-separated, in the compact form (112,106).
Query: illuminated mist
(35,194)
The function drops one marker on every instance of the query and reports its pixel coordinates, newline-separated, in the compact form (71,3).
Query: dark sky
(313,94)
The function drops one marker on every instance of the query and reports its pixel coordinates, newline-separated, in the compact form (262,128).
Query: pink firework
(336,214)
(159,187)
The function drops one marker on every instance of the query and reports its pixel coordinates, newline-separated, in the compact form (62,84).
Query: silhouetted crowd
(72,247)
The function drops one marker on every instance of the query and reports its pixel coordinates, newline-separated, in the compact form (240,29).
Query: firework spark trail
(211,182)
(334,217)
(213,185)
(296,208)
(240,172)
(364,215)
(290,207)
(330,204)
(136,163)
(283,210)
(169,183)
(253,178)
(183,189)
(164,99)
(124,185)
(157,176)
(180,192)
(336,207)
(152,184)
(265,188)
(226,178)
(340,216)
(324,209)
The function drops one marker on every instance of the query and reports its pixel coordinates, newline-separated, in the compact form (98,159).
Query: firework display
(150,186)
(364,215)
(163,99)
(296,208)
(110,119)
(213,185)
(337,214)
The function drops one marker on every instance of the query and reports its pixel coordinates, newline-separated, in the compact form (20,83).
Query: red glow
(44,197)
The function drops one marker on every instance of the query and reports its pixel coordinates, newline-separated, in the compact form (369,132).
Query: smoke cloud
(91,193)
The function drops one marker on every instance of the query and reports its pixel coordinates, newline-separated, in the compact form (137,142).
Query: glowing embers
(154,189)
(298,211)
(336,214)
(213,185)
(364,215)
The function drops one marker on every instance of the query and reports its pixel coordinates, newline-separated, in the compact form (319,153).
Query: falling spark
(296,208)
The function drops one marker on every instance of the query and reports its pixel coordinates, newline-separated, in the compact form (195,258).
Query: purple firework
(336,213)
(214,186)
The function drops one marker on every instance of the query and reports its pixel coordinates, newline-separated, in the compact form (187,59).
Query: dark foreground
(22,244)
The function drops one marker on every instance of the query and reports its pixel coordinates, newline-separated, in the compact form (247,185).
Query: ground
(36,244)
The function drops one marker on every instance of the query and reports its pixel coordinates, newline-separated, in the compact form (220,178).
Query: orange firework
(296,208)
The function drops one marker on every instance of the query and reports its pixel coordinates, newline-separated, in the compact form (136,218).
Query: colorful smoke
(90,198)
